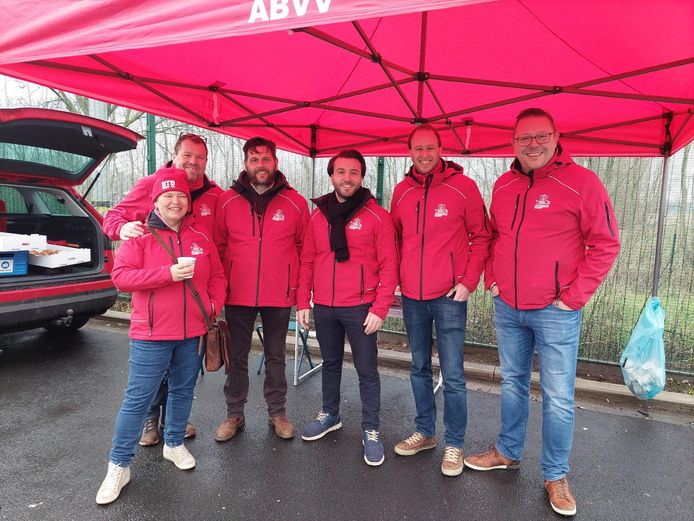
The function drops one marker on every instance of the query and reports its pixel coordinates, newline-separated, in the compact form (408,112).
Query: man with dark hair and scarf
(349,267)
(259,231)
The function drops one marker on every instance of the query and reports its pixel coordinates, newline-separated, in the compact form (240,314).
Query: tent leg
(661,227)
(313,177)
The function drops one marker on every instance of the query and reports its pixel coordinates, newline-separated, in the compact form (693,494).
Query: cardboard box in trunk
(58,256)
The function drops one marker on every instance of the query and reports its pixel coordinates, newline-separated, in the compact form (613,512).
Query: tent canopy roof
(319,75)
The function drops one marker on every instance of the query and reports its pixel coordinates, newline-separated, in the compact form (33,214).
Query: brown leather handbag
(217,350)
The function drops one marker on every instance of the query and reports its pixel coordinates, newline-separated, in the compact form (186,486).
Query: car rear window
(37,201)
(26,154)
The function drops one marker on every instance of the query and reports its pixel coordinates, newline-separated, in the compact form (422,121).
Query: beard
(265,179)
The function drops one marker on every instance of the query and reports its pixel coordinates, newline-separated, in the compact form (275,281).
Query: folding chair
(298,358)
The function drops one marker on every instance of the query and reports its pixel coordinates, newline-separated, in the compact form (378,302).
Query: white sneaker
(116,478)
(183,459)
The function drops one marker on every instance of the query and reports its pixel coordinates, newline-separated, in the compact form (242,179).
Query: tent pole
(379,180)
(666,150)
(313,176)
(661,227)
(314,139)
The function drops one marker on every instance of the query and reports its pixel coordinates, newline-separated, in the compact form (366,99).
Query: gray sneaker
(373,448)
(322,425)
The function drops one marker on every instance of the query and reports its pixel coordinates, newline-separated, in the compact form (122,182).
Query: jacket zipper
(609,223)
(231,266)
(452,272)
(334,269)
(253,220)
(515,251)
(180,251)
(427,182)
(556,280)
(515,211)
(150,314)
(417,211)
(361,284)
(261,220)
(289,278)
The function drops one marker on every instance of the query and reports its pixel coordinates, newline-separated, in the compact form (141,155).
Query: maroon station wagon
(63,281)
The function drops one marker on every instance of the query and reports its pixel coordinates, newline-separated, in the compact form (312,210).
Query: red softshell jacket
(260,254)
(138,203)
(164,309)
(442,231)
(555,235)
(369,275)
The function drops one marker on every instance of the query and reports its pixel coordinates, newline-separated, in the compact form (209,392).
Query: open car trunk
(59,215)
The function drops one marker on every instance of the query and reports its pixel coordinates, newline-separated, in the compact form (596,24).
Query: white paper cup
(187,261)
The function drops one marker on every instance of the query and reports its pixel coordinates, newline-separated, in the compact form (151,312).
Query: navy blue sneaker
(322,425)
(373,448)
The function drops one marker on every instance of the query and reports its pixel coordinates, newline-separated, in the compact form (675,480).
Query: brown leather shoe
(229,428)
(491,460)
(190,431)
(561,499)
(415,443)
(150,432)
(452,463)
(282,426)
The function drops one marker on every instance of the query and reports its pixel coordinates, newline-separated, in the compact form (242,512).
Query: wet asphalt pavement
(59,398)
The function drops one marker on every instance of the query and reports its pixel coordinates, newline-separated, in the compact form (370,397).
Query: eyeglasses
(190,135)
(540,139)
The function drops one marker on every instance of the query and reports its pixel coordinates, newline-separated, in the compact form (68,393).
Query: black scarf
(258,201)
(338,215)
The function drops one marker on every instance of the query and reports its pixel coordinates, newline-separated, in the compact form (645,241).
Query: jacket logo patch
(279,216)
(355,224)
(542,202)
(195,249)
(441,210)
(205,210)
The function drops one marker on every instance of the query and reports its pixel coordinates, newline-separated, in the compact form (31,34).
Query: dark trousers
(332,324)
(157,410)
(241,320)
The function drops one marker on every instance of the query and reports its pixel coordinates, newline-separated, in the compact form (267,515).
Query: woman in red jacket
(166,327)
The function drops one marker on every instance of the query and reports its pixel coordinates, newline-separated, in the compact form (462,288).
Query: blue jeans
(554,334)
(147,365)
(332,323)
(449,318)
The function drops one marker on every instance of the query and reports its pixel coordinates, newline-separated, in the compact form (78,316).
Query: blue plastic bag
(643,360)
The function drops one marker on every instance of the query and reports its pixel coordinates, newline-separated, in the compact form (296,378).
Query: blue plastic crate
(13,263)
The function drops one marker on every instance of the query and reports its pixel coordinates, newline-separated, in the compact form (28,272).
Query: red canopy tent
(319,75)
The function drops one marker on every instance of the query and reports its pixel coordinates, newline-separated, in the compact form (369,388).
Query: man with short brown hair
(259,231)
(441,227)
(349,268)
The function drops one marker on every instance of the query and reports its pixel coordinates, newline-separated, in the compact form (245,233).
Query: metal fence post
(151,145)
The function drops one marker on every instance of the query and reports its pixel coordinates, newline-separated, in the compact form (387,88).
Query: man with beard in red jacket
(349,263)
(259,231)
(125,221)
(443,237)
(554,239)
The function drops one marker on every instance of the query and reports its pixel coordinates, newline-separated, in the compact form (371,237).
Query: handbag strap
(187,282)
